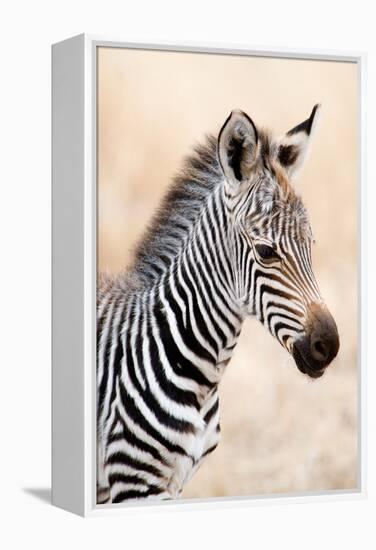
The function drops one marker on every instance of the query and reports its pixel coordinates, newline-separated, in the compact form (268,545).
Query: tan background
(280,430)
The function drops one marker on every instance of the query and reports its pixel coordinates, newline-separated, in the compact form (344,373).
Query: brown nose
(324,346)
(323,333)
(320,344)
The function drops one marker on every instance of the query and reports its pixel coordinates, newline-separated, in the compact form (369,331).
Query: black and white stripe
(168,328)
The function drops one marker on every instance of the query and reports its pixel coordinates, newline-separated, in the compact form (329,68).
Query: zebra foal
(231,239)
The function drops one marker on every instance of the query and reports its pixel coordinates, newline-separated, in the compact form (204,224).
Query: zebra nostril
(319,349)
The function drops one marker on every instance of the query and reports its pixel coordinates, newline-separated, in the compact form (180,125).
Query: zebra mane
(178,211)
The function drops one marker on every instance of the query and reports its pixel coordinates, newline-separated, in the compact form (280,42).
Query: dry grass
(280,430)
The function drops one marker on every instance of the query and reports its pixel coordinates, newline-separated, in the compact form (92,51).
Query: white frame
(74,276)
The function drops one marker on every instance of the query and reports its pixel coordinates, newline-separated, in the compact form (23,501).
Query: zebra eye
(267,253)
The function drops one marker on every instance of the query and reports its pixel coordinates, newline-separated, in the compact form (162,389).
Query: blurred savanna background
(281,432)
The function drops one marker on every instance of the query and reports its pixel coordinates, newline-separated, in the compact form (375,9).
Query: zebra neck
(194,307)
(194,341)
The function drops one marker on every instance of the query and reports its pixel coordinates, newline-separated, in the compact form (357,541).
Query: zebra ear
(293,146)
(237,147)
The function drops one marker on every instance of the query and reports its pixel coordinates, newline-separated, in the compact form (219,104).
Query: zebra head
(272,238)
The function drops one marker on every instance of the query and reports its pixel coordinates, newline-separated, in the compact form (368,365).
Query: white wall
(27,30)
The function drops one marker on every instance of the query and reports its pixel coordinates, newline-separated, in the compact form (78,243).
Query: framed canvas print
(208,275)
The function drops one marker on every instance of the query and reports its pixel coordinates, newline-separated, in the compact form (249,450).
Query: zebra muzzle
(314,351)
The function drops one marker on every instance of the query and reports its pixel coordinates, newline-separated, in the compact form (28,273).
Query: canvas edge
(362,274)
(68,380)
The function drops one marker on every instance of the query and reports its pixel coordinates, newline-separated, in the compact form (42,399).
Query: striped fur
(231,239)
